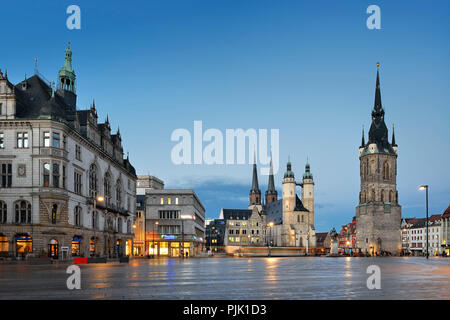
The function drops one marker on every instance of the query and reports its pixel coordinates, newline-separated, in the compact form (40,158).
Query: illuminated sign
(168,236)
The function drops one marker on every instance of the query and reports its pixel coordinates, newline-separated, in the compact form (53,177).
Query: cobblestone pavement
(233,278)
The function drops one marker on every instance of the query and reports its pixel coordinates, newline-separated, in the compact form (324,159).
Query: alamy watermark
(74,20)
(190,150)
(374,281)
(74,280)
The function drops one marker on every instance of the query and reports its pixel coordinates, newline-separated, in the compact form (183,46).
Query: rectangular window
(1,108)
(64,142)
(77,183)
(64,177)
(6,177)
(2,137)
(22,140)
(169,201)
(56,175)
(162,200)
(46,139)
(46,175)
(176,200)
(55,140)
(77,152)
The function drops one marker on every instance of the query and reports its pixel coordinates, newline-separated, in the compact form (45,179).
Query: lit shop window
(169,201)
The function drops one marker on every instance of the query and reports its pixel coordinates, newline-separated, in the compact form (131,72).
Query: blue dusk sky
(307,68)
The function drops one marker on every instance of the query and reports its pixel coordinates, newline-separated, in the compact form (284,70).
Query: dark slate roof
(321,236)
(37,100)
(299,204)
(274,212)
(446,213)
(140,201)
(419,223)
(236,214)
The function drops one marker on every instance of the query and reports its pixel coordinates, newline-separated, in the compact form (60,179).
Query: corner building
(378,214)
(55,161)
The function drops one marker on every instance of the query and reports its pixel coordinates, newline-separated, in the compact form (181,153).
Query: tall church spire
(271,193)
(255,193)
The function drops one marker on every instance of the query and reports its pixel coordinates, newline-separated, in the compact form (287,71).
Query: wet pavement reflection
(233,278)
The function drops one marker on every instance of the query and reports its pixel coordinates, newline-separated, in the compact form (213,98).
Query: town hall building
(65,187)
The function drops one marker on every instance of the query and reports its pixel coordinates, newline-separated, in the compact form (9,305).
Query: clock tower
(378,214)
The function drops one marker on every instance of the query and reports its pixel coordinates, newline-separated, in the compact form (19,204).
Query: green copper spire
(66,75)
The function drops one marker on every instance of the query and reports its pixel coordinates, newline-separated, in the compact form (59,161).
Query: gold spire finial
(378,64)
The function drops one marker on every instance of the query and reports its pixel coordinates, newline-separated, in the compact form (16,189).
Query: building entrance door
(53,248)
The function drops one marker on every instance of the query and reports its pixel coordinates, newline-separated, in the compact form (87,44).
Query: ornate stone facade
(378,214)
(57,160)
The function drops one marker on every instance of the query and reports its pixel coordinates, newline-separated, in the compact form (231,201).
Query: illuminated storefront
(24,244)
(4,245)
(76,246)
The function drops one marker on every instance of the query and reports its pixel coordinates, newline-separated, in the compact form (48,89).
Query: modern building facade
(66,188)
(175,222)
(378,214)
(214,235)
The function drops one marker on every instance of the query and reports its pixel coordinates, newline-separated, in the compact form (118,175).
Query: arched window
(119,193)
(107,188)
(3,212)
(46,174)
(77,216)
(363,196)
(391,196)
(386,173)
(119,225)
(363,170)
(129,226)
(301,242)
(54,211)
(383,197)
(373,195)
(23,211)
(93,180)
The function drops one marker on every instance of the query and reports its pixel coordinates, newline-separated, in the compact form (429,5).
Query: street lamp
(153,238)
(269,225)
(94,222)
(184,217)
(425,187)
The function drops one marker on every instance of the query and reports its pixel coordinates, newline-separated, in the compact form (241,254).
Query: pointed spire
(271,186)
(363,143)
(393,137)
(107,119)
(377,103)
(118,131)
(378,132)
(255,185)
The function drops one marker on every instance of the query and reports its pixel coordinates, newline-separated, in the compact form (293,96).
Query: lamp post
(269,225)
(94,222)
(153,238)
(422,187)
(184,217)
